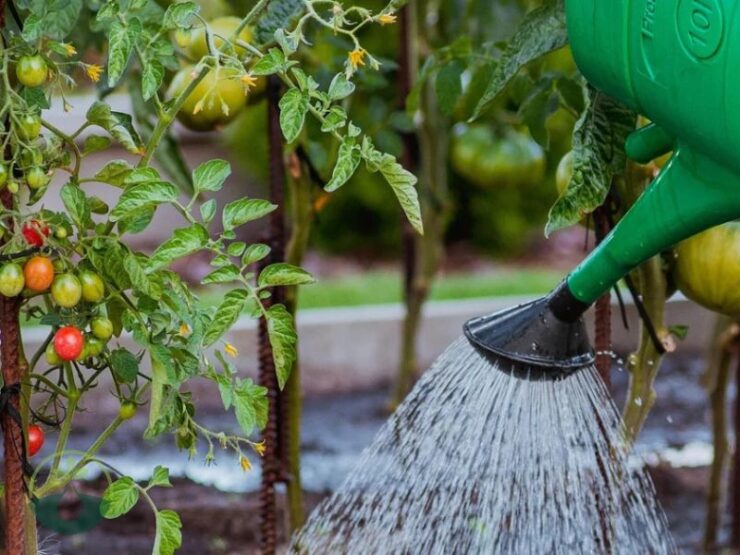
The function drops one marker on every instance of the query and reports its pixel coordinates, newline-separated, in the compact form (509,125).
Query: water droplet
(669,419)
(638,401)
(535,346)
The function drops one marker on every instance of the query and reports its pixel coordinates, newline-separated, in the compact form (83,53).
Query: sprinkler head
(542,340)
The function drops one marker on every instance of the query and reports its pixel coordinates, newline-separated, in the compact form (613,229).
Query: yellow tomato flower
(356,58)
(94,72)
(230,350)
(387,19)
(245,464)
(259,447)
(69,49)
(184,329)
(249,81)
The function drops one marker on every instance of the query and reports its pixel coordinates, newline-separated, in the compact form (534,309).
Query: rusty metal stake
(274,458)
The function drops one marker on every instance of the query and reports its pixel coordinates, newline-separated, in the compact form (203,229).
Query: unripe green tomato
(215,101)
(36,178)
(32,71)
(3,174)
(60,232)
(58,264)
(31,157)
(29,127)
(51,355)
(94,346)
(564,172)
(102,328)
(220,27)
(93,288)
(127,410)
(66,291)
(11,279)
(13,186)
(84,353)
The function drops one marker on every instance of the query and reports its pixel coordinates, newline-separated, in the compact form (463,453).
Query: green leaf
(211,175)
(118,124)
(76,205)
(448,86)
(139,278)
(293,110)
(160,478)
(179,14)
(151,78)
(226,316)
(183,242)
(114,172)
(541,31)
(124,364)
(168,536)
(598,155)
(340,87)
(250,405)
(51,19)
(143,196)
(245,210)
(272,62)
(95,143)
(224,274)
(35,97)
(403,184)
(283,339)
(284,274)
(255,253)
(119,498)
(208,210)
(348,159)
(120,46)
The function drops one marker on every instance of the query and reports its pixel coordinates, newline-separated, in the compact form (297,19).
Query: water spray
(672,62)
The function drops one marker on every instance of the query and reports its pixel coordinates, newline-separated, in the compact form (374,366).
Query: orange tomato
(38,273)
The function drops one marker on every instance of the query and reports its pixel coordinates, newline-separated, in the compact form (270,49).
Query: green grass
(385,287)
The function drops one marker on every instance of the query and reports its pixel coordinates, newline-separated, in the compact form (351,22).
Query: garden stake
(677,83)
(603,314)
(273,435)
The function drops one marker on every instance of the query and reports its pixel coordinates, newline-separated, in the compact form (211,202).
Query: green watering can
(678,63)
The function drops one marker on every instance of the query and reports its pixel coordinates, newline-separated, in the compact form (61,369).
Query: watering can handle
(648,143)
(692,193)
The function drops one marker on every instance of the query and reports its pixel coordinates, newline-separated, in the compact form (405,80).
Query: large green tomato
(93,288)
(221,28)
(11,279)
(707,268)
(215,101)
(66,290)
(32,71)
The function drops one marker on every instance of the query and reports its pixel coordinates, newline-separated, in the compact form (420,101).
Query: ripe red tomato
(39,273)
(68,342)
(35,439)
(35,232)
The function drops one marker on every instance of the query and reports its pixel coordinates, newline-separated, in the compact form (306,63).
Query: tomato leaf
(284,274)
(348,159)
(120,45)
(211,175)
(76,204)
(541,31)
(226,316)
(250,405)
(114,172)
(118,124)
(255,253)
(119,498)
(272,62)
(245,210)
(142,196)
(224,274)
(340,87)
(293,110)
(168,536)
(160,478)
(448,86)
(179,14)
(124,364)
(151,78)
(52,19)
(283,339)
(598,155)
(183,242)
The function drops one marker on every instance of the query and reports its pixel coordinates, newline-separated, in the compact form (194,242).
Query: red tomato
(35,231)
(35,439)
(68,342)
(39,273)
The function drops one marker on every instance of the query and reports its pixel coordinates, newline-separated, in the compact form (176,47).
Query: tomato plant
(87,284)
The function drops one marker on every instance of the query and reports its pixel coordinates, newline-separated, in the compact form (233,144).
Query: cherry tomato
(3,174)
(93,346)
(38,273)
(69,343)
(60,232)
(127,410)
(36,178)
(34,232)
(66,290)
(93,288)
(13,186)
(11,279)
(221,28)
(215,101)
(51,355)
(29,127)
(35,439)
(32,71)
(707,268)
(101,327)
